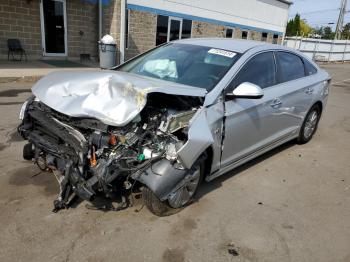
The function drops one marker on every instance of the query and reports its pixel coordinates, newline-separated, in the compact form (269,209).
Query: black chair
(14,46)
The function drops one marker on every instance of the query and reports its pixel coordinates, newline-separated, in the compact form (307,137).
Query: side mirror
(246,90)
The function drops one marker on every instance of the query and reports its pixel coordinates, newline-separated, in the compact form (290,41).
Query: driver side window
(259,70)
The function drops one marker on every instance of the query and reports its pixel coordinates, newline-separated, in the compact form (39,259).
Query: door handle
(309,90)
(276,103)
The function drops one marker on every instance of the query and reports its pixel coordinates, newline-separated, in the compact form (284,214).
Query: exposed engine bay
(89,157)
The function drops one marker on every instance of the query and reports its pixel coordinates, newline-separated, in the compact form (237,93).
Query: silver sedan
(162,122)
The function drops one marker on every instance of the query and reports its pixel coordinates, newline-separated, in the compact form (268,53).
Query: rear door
(250,123)
(293,91)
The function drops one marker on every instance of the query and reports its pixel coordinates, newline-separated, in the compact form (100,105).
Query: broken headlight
(25,105)
(23,109)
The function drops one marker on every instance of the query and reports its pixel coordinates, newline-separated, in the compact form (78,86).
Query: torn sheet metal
(199,138)
(113,97)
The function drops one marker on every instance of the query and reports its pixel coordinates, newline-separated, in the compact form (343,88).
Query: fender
(199,139)
(162,177)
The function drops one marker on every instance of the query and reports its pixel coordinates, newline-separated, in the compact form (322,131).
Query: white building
(71,28)
(152,22)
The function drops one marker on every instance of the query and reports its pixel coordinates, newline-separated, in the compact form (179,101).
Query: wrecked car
(162,122)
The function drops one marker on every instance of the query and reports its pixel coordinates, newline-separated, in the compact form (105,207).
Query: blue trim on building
(197,18)
(104,2)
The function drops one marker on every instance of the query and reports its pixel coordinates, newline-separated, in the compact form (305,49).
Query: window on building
(290,67)
(244,34)
(174,32)
(162,29)
(264,37)
(275,39)
(127,20)
(175,25)
(260,70)
(186,28)
(229,32)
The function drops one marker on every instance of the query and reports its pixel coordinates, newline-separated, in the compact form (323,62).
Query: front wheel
(310,124)
(179,198)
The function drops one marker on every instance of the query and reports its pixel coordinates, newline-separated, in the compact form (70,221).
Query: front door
(250,123)
(174,28)
(53,27)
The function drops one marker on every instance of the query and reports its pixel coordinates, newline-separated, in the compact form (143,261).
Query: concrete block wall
(254,35)
(204,29)
(20,19)
(238,33)
(269,38)
(279,41)
(143,27)
(111,19)
(82,17)
(142,33)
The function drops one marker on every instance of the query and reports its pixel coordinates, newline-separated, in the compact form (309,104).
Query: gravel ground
(292,204)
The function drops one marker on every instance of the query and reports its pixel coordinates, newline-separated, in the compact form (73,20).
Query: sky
(319,12)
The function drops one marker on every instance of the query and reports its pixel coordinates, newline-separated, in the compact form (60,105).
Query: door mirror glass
(246,90)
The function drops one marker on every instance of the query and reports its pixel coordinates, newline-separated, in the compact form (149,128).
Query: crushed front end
(89,157)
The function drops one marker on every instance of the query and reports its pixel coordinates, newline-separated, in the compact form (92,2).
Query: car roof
(234,45)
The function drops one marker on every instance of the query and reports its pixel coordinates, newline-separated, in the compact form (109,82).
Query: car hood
(113,97)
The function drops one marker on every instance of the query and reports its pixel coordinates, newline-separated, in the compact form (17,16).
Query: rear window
(290,67)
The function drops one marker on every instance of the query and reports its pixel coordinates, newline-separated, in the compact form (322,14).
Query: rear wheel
(179,198)
(310,124)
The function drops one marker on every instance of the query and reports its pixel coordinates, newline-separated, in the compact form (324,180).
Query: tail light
(326,85)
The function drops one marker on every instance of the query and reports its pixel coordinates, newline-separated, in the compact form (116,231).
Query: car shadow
(207,187)
(32,175)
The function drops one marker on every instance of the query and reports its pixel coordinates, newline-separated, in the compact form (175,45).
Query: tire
(153,203)
(168,207)
(310,125)
(28,152)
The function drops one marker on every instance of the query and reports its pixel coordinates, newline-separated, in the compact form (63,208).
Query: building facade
(63,28)
(71,28)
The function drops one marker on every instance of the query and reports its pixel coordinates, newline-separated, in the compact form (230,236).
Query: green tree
(296,26)
(305,29)
(328,33)
(293,26)
(297,23)
(346,32)
(290,28)
(319,31)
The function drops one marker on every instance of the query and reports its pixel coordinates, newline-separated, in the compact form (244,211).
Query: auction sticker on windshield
(215,51)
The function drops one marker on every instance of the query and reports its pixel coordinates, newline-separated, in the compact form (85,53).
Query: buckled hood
(113,97)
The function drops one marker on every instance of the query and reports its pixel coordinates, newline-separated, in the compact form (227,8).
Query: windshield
(193,65)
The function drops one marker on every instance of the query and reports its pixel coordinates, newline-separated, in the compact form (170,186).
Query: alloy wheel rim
(183,195)
(310,124)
